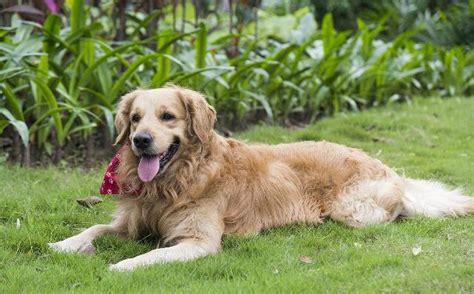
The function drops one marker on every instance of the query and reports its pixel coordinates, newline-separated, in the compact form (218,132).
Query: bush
(59,84)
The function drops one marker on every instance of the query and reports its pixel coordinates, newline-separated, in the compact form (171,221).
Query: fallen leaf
(416,250)
(306,259)
(383,140)
(89,201)
(18,224)
(357,245)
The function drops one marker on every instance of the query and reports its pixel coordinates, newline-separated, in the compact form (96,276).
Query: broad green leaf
(53,105)
(13,102)
(183,77)
(78,15)
(20,126)
(262,100)
(201,46)
(163,69)
(119,85)
(109,119)
(201,51)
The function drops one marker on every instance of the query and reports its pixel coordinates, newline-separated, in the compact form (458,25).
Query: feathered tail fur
(433,199)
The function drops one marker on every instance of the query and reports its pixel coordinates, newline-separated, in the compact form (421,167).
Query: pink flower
(52,6)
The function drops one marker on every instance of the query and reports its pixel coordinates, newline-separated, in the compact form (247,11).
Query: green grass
(430,139)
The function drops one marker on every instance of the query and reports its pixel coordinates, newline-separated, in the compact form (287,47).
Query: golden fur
(215,186)
(244,188)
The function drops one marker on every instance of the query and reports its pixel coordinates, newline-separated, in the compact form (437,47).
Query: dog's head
(161,125)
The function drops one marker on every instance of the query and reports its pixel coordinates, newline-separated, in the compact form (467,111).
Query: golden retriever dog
(196,186)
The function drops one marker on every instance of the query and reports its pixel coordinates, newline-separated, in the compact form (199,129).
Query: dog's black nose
(142,140)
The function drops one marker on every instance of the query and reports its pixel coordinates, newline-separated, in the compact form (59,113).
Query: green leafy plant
(60,81)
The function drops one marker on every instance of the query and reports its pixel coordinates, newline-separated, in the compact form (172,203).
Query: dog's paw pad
(72,246)
(87,249)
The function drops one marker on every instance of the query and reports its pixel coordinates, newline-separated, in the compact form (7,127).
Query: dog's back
(306,181)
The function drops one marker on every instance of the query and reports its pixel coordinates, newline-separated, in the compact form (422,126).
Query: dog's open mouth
(150,165)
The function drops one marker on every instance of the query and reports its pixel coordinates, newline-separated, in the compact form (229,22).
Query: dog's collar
(110,184)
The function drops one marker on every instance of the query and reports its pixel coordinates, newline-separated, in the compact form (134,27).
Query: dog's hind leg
(82,243)
(369,202)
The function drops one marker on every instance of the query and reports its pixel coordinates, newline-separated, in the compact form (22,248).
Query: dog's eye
(167,116)
(135,118)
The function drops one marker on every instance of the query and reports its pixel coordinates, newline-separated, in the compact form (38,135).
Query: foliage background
(64,64)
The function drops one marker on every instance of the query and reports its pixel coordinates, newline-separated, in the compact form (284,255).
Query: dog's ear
(122,120)
(200,116)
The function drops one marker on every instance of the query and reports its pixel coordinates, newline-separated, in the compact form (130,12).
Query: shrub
(59,83)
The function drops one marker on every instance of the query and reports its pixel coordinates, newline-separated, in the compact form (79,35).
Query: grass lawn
(432,138)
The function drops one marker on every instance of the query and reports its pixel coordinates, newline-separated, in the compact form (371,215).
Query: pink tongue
(148,168)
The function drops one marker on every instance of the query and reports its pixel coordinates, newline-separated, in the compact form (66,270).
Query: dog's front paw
(72,245)
(123,266)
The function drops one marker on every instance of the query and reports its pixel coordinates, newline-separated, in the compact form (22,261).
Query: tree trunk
(121,27)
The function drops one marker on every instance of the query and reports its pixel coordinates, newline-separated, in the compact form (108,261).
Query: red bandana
(109,184)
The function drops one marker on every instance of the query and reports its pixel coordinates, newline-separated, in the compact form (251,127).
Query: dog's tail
(433,199)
